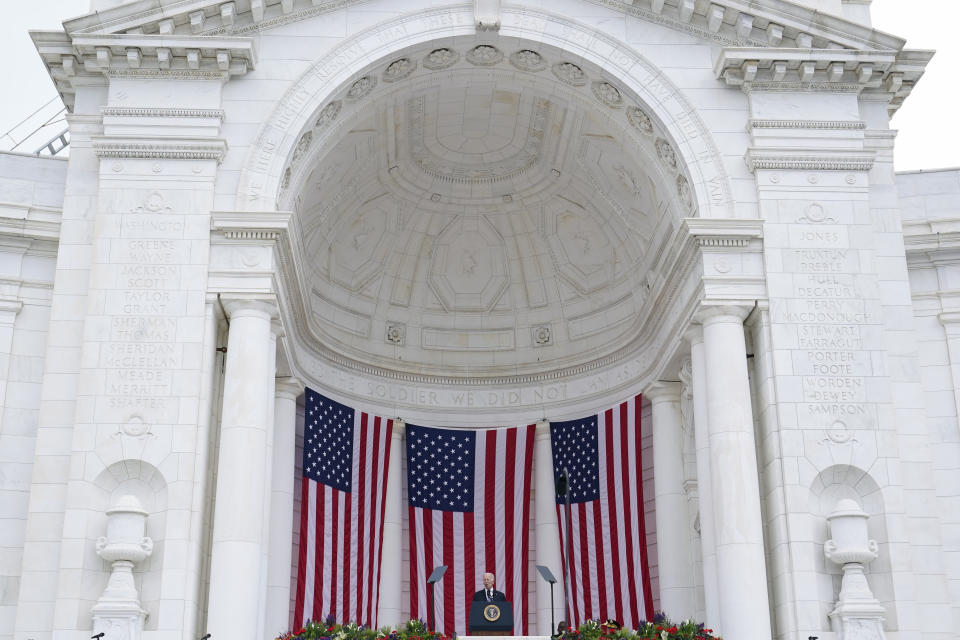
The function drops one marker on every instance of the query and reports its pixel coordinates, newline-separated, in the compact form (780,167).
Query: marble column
(391,572)
(741,566)
(674,559)
(242,472)
(701,436)
(547,532)
(281,505)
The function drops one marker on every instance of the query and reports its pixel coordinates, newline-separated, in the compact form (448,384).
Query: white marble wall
(31,196)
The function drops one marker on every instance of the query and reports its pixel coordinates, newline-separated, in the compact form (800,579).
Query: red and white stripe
(497,532)
(341,534)
(610,573)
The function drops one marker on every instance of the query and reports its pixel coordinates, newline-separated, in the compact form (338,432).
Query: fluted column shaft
(391,574)
(243,484)
(547,533)
(674,559)
(281,505)
(701,436)
(741,566)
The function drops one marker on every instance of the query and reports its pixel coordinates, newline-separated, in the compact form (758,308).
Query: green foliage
(660,628)
(330,630)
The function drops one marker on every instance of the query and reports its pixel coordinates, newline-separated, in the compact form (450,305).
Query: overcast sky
(929,131)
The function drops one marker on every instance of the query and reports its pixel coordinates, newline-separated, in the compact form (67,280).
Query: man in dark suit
(488,593)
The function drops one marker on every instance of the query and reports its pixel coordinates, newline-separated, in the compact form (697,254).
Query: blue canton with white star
(328,441)
(575,447)
(440,465)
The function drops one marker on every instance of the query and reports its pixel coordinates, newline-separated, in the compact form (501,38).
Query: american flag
(346,454)
(469,509)
(610,573)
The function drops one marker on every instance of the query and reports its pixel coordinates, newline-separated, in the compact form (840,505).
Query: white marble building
(460,213)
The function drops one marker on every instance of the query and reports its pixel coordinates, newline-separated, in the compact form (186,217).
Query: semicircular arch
(638,78)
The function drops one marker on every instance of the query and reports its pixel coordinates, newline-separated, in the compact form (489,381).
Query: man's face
(488,581)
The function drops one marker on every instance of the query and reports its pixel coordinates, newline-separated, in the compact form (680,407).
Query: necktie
(489,595)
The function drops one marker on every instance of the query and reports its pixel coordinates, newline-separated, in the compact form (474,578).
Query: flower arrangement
(329,629)
(660,628)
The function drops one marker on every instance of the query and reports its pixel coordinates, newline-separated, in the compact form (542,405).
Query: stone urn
(118,613)
(857,615)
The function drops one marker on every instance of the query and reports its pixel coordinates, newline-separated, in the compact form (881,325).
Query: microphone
(205,637)
(98,636)
(562,484)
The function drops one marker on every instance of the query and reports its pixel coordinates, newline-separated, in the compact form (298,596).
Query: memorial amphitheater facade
(477,214)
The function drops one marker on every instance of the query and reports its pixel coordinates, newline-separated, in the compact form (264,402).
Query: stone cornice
(766,22)
(70,59)
(164,148)
(29,222)
(885,72)
(815,160)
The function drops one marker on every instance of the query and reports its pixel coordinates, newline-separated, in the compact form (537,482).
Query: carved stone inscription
(829,316)
(148,289)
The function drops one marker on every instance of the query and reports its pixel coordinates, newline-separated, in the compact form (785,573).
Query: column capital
(663,391)
(542,430)
(239,305)
(289,387)
(708,315)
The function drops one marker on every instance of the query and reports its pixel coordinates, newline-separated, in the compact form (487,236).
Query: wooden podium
(491,618)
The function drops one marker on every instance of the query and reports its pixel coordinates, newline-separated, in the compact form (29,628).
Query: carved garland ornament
(639,120)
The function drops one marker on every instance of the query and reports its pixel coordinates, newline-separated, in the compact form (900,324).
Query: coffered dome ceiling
(484,212)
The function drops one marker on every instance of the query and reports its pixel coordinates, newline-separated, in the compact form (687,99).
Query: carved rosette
(639,120)
(303,145)
(361,88)
(439,59)
(399,69)
(570,73)
(528,60)
(328,114)
(607,94)
(666,154)
(484,55)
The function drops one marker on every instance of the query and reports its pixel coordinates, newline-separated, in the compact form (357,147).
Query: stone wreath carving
(666,154)
(328,114)
(570,73)
(361,88)
(607,94)
(440,59)
(484,55)
(399,69)
(528,60)
(303,144)
(639,120)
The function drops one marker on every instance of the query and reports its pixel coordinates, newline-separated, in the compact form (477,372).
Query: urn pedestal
(858,615)
(118,613)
